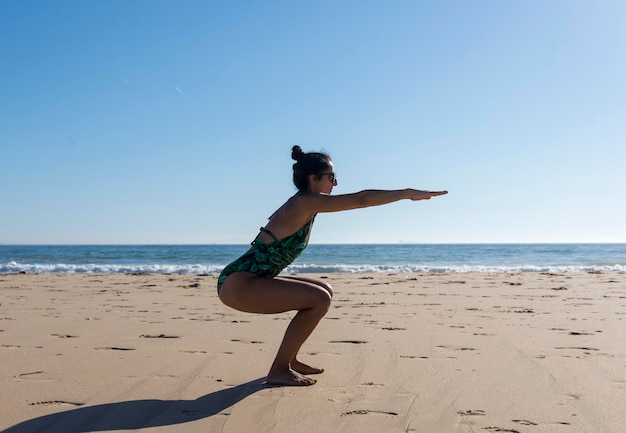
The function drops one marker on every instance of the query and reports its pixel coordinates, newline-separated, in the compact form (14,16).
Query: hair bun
(297,153)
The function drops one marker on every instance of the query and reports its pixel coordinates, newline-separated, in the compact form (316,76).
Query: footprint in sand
(523,422)
(35,376)
(367,412)
(158,336)
(573,396)
(55,402)
(192,351)
(114,348)
(588,349)
(190,412)
(471,412)
(457,348)
(500,429)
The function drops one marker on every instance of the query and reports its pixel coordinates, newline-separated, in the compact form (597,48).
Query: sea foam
(62,268)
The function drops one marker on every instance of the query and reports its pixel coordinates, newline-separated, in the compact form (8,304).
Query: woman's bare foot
(304,369)
(289,378)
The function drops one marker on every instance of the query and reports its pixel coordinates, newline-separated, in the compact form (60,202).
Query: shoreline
(321,259)
(403,352)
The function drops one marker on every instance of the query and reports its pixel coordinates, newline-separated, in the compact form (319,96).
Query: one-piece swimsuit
(269,259)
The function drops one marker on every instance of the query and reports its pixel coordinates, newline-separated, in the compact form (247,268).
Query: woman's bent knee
(324,300)
(328,288)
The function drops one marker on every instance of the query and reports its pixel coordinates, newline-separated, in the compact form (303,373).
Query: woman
(251,283)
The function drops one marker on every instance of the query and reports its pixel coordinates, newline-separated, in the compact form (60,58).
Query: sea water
(317,258)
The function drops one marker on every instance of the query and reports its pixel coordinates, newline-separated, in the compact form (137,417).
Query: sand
(403,353)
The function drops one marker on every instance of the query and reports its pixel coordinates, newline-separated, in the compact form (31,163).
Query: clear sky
(146,121)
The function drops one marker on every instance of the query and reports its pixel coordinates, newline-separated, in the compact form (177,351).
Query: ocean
(352,258)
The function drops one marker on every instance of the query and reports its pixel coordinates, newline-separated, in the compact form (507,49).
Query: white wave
(62,268)
(312,268)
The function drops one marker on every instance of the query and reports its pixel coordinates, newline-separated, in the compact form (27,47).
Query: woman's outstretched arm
(334,203)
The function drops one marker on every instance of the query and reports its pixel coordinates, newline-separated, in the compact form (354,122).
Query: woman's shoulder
(305,203)
(301,204)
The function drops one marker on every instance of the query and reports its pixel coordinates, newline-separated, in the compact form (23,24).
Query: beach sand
(433,353)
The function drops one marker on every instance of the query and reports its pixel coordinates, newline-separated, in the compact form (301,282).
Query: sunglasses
(331,176)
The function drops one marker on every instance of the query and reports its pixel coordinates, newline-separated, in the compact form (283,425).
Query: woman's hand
(415,194)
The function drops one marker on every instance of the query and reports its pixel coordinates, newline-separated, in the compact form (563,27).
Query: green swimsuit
(269,259)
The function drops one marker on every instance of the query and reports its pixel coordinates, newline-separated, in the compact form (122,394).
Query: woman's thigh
(247,292)
(324,285)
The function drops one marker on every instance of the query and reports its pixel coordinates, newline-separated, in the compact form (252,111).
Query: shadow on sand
(136,414)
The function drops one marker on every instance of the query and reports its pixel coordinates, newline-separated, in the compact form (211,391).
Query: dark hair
(306,165)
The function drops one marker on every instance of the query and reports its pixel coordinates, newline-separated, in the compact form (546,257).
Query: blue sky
(172,121)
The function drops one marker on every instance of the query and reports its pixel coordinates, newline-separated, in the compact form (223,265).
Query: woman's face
(326,182)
